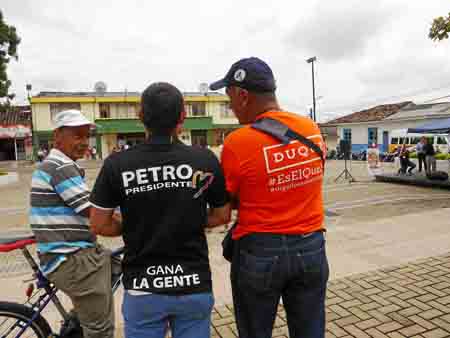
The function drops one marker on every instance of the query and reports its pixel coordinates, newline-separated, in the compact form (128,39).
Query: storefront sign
(15,131)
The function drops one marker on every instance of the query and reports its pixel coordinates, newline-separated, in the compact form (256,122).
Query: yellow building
(208,120)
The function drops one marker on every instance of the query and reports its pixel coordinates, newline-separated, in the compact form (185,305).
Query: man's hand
(105,222)
(219,216)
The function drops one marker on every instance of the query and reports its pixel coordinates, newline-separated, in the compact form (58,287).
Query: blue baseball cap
(251,73)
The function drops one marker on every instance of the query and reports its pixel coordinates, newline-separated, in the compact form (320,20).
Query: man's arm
(105,222)
(219,216)
(234,201)
(104,199)
(86,212)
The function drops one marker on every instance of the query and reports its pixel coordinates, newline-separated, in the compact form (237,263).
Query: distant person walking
(94,153)
(40,154)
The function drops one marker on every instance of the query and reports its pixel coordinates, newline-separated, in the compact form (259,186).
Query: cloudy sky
(368,52)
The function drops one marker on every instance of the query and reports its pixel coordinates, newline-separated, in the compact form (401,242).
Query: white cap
(70,118)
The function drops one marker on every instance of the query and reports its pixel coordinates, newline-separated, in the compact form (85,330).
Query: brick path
(411,301)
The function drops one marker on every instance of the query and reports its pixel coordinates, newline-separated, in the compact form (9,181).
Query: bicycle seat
(15,242)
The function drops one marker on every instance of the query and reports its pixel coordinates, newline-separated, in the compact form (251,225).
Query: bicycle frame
(50,290)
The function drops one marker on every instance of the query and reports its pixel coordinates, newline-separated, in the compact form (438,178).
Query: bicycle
(25,320)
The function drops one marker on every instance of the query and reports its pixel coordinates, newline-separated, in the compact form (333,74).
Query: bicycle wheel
(13,317)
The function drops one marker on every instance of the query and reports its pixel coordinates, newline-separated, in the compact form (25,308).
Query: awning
(114,126)
(124,126)
(433,127)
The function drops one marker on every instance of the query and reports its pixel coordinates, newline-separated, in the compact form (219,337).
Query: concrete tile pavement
(361,247)
(401,297)
(403,301)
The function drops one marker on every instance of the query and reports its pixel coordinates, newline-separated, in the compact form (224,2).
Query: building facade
(209,118)
(15,133)
(375,125)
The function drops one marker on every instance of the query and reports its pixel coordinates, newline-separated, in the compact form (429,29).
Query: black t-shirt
(163,191)
(428,149)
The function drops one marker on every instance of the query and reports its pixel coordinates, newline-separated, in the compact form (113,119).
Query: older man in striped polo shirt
(68,252)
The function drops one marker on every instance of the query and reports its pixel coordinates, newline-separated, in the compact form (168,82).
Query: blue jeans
(150,316)
(266,267)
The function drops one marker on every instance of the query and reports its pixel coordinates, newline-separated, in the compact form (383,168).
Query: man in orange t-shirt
(277,189)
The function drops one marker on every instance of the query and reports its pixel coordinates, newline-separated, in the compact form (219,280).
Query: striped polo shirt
(58,195)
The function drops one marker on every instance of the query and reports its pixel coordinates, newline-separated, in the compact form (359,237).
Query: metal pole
(15,147)
(314,92)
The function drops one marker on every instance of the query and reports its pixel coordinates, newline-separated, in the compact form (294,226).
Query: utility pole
(29,87)
(311,61)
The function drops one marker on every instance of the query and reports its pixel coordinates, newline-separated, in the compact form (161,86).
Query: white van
(401,136)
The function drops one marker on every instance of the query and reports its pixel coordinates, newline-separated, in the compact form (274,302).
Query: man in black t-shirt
(163,188)
(430,160)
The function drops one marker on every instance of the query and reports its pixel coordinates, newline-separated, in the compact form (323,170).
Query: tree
(9,40)
(440,28)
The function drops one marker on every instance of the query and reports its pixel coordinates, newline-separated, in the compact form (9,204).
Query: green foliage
(9,40)
(440,28)
(442,156)
(439,156)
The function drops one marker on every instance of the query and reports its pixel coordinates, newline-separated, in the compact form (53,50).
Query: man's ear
(179,126)
(56,135)
(244,96)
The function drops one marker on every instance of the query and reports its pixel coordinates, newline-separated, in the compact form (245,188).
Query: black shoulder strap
(283,133)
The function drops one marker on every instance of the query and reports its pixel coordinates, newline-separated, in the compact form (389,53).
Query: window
(225,110)
(105,112)
(394,140)
(441,140)
(56,108)
(119,110)
(348,135)
(196,109)
(415,140)
(373,136)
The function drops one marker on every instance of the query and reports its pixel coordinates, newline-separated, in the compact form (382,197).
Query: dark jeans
(266,267)
(406,165)
(421,159)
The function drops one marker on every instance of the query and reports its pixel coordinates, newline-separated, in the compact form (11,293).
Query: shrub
(442,156)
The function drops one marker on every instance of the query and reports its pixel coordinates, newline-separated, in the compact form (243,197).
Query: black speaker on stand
(346,148)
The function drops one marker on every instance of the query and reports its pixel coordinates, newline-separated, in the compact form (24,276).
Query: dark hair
(162,105)
(270,96)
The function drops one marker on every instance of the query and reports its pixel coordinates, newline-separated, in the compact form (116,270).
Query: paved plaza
(411,300)
(388,248)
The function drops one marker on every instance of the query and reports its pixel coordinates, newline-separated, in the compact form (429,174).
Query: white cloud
(366,51)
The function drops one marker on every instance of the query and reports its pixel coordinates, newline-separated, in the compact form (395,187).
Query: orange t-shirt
(279,187)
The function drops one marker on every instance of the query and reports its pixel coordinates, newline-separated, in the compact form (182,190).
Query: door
(20,149)
(199,138)
(373,136)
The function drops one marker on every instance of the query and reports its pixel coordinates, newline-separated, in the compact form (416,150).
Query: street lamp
(28,87)
(311,61)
